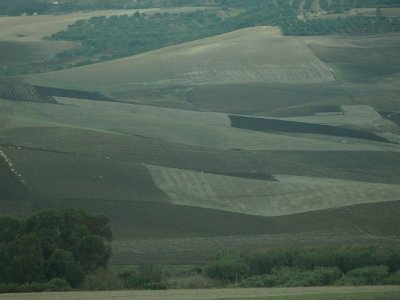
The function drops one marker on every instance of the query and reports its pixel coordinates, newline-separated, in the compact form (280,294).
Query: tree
(62,264)
(66,244)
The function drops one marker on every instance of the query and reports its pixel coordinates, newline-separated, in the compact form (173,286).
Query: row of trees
(64,245)
(355,265)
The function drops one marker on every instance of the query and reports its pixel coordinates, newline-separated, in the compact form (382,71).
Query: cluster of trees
(355,265)
(106,38)
(118,36)
(52,249)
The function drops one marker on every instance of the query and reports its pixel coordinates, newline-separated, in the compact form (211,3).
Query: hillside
(255,55)
(240,140)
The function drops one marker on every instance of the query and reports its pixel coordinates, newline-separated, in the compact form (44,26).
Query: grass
(330,293)
(359,296)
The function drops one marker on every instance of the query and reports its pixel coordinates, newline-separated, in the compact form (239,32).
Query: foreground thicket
(52,250)
(352,265)
(275,267)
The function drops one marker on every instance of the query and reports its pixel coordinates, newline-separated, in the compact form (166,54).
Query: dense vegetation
(118,36)
(283,267)
(52,249)
(309,267)
(18,7)
(106,38)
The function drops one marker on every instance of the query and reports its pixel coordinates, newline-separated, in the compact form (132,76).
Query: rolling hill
(251,55)
(243,140)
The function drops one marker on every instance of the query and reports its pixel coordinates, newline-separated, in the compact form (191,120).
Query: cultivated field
(185,127)
(331,293)
(257,54)
(362,117)
(288,195)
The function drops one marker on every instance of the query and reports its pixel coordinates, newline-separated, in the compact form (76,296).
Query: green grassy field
(331,293)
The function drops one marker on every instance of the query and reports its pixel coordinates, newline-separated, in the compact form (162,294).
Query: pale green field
(289,195)
(203,129)
(258,54)
(323,293)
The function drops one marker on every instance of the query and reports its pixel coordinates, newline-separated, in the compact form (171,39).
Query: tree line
(316,266)
(69,249)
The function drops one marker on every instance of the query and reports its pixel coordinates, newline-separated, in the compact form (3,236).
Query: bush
(318,277)
(148,276)
(102,280)
(369,275)
(262,261)
(194,281)
(393,279)
(57,285)
(155,286)
(54,285)
(228,267)
(258,281)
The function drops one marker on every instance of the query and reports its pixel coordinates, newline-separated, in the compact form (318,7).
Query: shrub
(148,276)
(318,277)
(57,285)
(369,275)
(259,281)
(194,281)
(227,266)
(262,261)
(155,286)
(393,279)
(102,280)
